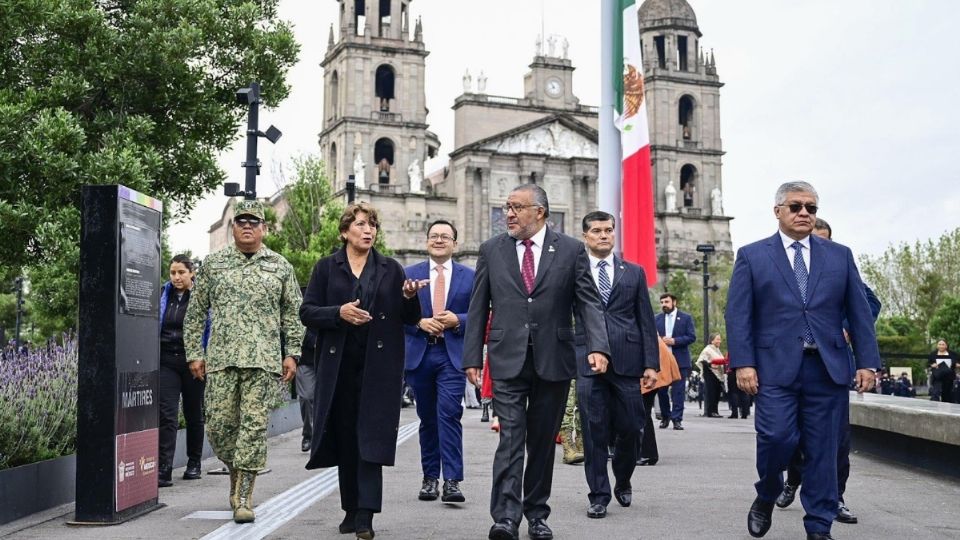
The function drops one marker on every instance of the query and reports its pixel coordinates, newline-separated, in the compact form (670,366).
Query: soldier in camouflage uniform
(253,299)
(571,433)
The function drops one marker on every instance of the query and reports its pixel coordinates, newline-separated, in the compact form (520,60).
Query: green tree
(945,323)
(110,92)
(913,279)
(310,229)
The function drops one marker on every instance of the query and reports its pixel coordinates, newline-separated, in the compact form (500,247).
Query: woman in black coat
(942,363)
(358,301)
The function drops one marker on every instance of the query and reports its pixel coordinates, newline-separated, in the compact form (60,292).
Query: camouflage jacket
(252,303)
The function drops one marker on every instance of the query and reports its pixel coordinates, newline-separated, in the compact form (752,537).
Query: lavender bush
(38,404)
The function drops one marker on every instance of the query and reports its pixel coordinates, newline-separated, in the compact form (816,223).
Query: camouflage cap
(246,207)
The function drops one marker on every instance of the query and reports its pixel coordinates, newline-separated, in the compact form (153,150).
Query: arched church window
(332,163)
(385,79)
(682,53)
(383,157)
(334,95)
(688,184)
(685,110)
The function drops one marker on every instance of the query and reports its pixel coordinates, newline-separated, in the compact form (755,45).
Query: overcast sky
(851,96)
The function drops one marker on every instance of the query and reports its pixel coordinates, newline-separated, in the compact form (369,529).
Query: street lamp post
(351,189)
(250,97)
(706,250)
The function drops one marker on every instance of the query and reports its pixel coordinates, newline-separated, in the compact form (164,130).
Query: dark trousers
(795,469)
(712,390)
(604,400)
(530,410)
(648,448)
(675,393)
(305,381)
(176,380)
(738,400)
(438,389)
(808,413)
(361,482)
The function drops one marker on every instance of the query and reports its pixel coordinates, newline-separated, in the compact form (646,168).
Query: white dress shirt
(595,270)
(788,242)
(669,319)
(537,247)
(447,274)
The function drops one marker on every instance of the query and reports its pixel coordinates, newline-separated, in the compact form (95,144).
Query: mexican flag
(637,235)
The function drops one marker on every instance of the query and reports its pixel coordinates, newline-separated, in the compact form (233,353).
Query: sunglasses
(795,207)
(252,221)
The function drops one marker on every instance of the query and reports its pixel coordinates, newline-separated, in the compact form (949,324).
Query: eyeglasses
(795,207)
(445,237)
(517,208)
(244,221)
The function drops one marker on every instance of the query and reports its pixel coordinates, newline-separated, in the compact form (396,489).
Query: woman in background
(175,377)
(711,362)
(942,363)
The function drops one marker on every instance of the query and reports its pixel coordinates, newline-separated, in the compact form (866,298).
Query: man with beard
(677,330)
(534,280)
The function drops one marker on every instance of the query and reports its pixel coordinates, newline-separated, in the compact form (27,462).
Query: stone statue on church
(467,82)
(716,201)
(670,193)
(415,176)
(539,45)
(481,83)
(359,171)
(552,46)
(565,47)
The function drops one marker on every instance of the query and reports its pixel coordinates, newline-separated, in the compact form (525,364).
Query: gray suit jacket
(563,288)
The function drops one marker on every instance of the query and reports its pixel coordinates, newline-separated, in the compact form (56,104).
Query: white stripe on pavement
(278,510)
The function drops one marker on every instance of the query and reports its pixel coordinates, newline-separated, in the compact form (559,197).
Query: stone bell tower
(683,103)
(374,110)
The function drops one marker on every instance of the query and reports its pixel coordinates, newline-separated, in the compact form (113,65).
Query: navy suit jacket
(458,300)
(765,314)
(684,335)
(630,328)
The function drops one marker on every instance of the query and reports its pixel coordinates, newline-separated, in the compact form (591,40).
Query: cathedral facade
(375,129)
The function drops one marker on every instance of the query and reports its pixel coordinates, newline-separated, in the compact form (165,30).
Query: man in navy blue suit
(788,297)
(613,398)
(434,351)
(677,329)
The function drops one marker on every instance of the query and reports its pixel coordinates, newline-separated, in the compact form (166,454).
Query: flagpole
(608,182)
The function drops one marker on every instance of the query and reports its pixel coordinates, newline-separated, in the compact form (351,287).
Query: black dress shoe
(429,491)
(664,423)
(623,494)
(645,461)
(364,525)
(505,529)
(485,416)
(734,416)
(759,518)
(713,415)
(597,511)
(787,496)
(305,445)
(537,529)
(678,425)
(844,515)
(819,536)
(349,523)
(745,416)
(451,492)
(192,471)
(164,476)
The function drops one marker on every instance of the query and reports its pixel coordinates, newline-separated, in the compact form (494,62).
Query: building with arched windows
(682,91)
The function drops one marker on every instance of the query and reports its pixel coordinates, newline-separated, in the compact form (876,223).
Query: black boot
(364,525)
(193,470)
(165,476)
(349,523)
(485,416)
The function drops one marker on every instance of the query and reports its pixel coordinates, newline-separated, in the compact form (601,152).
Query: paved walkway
(701,488)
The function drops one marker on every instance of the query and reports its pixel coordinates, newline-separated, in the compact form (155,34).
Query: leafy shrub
(38,404)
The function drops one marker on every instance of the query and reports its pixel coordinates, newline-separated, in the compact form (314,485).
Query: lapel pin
(550,249)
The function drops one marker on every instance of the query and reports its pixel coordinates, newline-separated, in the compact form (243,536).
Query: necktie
(439,291)
(800,270)
(526,268)
(603,280)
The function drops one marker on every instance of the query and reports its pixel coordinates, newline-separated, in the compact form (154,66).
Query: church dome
(675,13)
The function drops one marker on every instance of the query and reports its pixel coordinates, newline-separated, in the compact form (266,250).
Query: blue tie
(604,280)
(800,270)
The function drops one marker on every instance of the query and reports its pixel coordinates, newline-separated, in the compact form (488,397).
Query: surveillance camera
(273,134)
(231,189)
(247,96)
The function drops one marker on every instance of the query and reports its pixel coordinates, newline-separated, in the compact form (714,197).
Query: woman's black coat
(331,286)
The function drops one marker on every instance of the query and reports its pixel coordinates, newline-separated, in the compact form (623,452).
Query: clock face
(554,87)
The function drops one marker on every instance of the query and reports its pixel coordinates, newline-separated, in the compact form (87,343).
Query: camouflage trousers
(571,418)
(238,405)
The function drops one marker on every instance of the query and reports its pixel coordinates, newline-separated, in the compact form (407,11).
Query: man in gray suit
(534,280)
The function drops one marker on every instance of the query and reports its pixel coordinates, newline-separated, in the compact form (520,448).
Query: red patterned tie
(526,269)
